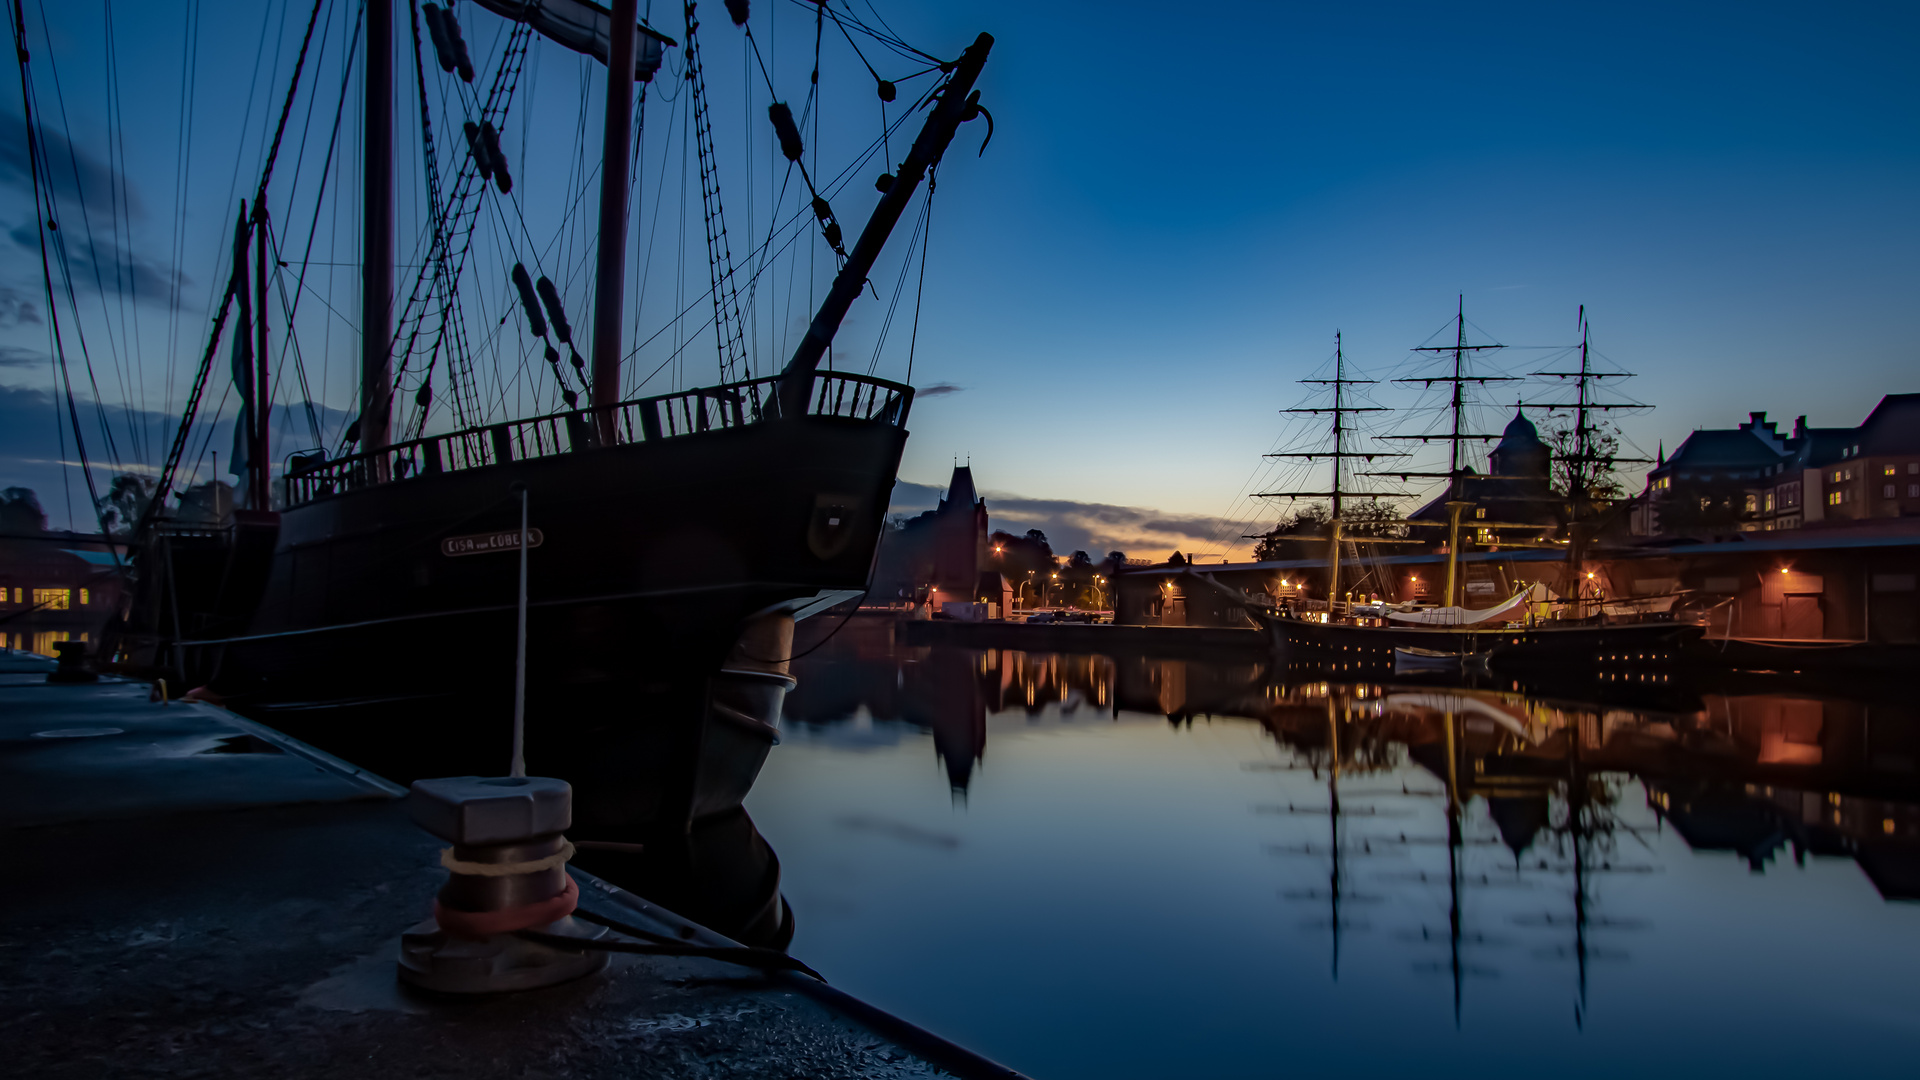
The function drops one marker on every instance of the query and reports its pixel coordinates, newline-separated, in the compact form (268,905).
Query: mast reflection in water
(1176,867)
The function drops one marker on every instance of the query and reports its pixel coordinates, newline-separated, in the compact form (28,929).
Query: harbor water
(1102,866)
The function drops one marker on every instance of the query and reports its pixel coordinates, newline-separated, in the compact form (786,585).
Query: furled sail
(584,27)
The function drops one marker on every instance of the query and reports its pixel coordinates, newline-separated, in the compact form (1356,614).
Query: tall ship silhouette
(368,597)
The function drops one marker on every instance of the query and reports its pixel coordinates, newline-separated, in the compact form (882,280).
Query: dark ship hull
(382,625)
(1598,649)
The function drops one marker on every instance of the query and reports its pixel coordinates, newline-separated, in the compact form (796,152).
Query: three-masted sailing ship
(1515,635)
(367,601)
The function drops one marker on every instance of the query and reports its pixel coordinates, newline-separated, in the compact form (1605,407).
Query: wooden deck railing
(668,416)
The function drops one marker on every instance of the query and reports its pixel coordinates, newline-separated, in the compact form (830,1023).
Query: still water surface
(1091,866)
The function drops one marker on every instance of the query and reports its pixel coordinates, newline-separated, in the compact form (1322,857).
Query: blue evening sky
(1182,203)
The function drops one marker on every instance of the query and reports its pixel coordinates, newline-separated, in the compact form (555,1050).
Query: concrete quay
(191,894)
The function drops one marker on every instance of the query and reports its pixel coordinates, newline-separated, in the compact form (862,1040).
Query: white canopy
(1459,616)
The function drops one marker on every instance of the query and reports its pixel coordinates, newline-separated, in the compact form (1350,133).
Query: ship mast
(958,104)
(1338,455)
(1457,406)
(1583,466)
(376,237)
(611,274)
(1339,410)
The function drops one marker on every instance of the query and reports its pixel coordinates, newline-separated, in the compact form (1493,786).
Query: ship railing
(666,416)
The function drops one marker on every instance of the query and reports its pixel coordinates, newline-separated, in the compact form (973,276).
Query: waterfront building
(940,556)
(55,586)
(1750,478)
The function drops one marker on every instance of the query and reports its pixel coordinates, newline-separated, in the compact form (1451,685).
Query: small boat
(1416,661)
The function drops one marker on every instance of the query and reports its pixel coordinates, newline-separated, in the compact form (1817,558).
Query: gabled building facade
(1751,478)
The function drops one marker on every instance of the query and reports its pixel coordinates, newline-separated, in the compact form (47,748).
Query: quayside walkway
(191,894)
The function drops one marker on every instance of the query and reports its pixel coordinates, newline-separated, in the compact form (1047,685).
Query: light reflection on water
(1094,866)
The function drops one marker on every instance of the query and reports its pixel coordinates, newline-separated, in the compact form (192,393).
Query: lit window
(1887,471)
(1753,503)
(1833,498)
(1769,500)
(1481,513)
(84,600)
(52,599)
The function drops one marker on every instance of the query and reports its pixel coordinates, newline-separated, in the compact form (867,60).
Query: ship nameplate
(483,543)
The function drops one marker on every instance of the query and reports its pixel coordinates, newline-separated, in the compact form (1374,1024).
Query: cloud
(79,179)
(16,309)
(939,389)
(1096,528)
(912,498)
(14,356)
(84,190)
(104,266)
(37,451)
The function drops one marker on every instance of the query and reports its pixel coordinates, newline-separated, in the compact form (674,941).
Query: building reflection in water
(1524,791)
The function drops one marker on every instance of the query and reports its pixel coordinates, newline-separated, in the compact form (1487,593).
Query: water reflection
(1492,843)
(1753,772)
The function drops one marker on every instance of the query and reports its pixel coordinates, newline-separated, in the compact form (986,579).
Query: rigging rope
(157,505)
(728,332)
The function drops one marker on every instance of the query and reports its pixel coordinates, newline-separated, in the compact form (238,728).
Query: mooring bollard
(73,664)
(507,872)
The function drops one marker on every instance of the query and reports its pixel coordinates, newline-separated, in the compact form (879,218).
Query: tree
(123,504)
(1303,533)
(1589,468)
(1016,555)
(20,511)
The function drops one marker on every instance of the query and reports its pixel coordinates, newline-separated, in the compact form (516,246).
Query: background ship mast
(1339,410)
(1457,405)
(1338,454)
(1592,457)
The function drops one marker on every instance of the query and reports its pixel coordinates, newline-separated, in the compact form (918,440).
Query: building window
(52,599)
(1913,467)
(1833,497)
(1913,491)
(1769,502)
(1753,504)
(1887,471)
(85,600)
(1887,492)
(1480,513)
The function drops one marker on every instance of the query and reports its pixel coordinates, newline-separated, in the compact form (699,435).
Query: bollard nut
(483,810)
